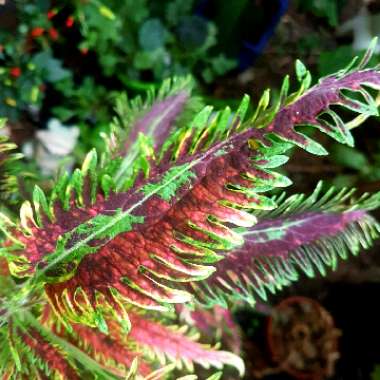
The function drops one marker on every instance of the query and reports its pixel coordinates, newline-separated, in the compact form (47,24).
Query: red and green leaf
(166,205)
(155,342)
(214,323)
(32,356)
(156,117)
(302,235)
(98,241)
(178,345)
(108,350)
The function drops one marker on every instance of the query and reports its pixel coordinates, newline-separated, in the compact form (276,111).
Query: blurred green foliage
(139,39)
(376,373)
(327,9)
(83,52)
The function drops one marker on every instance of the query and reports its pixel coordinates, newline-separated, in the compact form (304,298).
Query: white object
(58,139)
(53,145)
(364,27)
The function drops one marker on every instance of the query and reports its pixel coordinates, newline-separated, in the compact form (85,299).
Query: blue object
(250,51)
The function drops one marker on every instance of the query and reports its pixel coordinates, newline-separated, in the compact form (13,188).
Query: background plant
(69,57)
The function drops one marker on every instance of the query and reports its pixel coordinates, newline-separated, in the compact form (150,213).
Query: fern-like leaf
(304,234)
(178,345)
(152,341)
(101,239)
(28,354)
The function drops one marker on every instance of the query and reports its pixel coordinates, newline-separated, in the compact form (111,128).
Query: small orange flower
(15,72)
(51,13)
(37,32)
(70,21)
(53,34)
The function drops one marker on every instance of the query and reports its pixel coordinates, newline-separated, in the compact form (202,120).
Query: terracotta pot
(302,339)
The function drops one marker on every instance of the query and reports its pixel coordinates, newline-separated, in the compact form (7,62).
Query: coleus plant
(176,211)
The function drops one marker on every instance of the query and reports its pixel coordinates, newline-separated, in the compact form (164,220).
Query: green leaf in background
(152,34)
(376,373)
(144,60)
(43,5)
(98,29)
(138,10)
(177,9)
(322,8)
(50,67)
(221,64)
(328,9)
(350,158)
(192,32)
(344,180)
(331,61)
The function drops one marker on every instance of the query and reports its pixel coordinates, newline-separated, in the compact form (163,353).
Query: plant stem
(362,118)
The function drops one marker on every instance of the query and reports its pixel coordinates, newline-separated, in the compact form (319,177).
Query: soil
(352,307)
(302,339)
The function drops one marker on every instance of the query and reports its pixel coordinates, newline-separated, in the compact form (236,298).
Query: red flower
(51,13)
(37,32)
(15,72)
(70,21)
(53,33)
(84,50)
